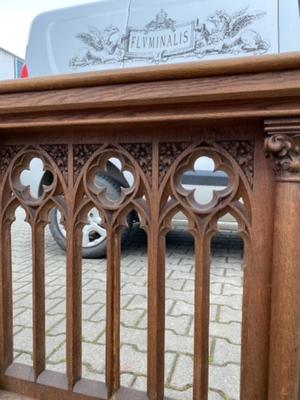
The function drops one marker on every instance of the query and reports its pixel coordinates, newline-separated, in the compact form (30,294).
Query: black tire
(113,191)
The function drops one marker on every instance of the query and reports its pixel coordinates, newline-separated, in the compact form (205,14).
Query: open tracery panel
(76,183)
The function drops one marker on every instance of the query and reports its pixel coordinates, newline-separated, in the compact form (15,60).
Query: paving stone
(26,301)
(23,341)
(218,272)
(91,270)
(55,320)
(137,302)
(183,372)
(182,308)
(57,292)
(18,311)
(89,310)
(179,343)
(88,373)
(127,380)
(23,317)
(136,288)
(131,318)
(188,286)
(227,314)
(22,287)
(170,363)
(56,348)
(140,383)
(226,379)
(233,301)
(134,337)
(185,266)
(92,330)
(179,395)
(229,289)
(225,280)
(186,296)
(97,284)
(225,352)
(93,357)
(133,360)
(57,367)
(99,314)
(231,331)
(57,306)
(96,297)
(59,328)
(177,284)
(231,272)
(212,395)
(179,325)
(23,358)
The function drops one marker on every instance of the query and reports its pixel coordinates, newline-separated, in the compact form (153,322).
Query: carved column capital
(282,144)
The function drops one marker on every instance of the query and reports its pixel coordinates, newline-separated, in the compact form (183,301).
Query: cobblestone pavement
(225,312)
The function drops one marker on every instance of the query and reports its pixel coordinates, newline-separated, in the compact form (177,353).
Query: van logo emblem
(163,39)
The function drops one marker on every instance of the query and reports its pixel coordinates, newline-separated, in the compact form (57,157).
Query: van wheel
(94,236)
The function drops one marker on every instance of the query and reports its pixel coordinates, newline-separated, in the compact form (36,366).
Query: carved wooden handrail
(245,115)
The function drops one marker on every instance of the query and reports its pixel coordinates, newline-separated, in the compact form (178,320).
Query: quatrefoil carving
(32,179)
(204,180)
(111,178)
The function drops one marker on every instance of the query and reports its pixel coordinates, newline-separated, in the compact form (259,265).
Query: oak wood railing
(245,115)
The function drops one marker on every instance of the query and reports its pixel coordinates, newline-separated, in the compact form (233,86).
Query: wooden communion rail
(245,115)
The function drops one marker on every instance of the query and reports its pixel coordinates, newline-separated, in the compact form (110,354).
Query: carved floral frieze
(168,152)
(59,154)
(81,154)
(142,153)
(7,153)
(243,153)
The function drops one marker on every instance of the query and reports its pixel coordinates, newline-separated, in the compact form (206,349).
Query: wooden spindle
(201,327)
(74,307)
(156,313)
(38,297)
(6,299)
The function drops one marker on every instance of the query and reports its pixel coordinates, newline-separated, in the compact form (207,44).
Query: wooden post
(284,371)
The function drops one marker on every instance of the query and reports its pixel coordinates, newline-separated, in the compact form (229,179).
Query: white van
(115,34)
(112,34)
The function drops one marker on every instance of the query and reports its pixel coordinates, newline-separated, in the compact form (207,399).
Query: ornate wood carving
(168,152)
(285,151)
(50,192)
(7,153)
(243,152)
(81,154)
(59,154)
(142,153)
(283,145)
